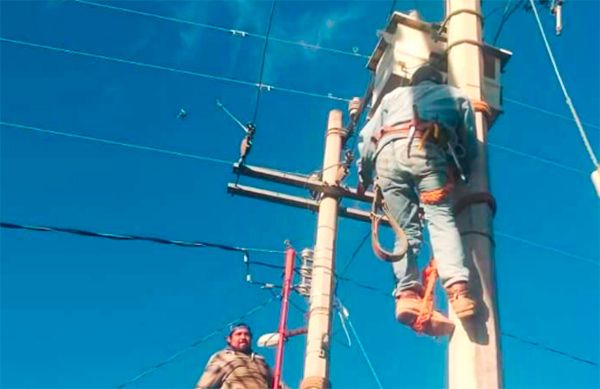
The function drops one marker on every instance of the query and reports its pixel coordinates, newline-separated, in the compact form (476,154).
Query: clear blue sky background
(81,312)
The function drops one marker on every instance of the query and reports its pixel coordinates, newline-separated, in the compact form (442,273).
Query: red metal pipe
(290,256)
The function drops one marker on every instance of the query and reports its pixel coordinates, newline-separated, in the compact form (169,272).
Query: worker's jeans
(401,180)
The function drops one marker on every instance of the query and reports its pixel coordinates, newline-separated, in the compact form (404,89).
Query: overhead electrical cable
(548,112)
(178,354)
(363,351)
(169,69)
(225,162)
(534,157)
(244,249)
(550,349)
(262,63)
(508,12)
(232,31)
(549,248)
(117,143)
(129,237)
(328,96)
(584,137)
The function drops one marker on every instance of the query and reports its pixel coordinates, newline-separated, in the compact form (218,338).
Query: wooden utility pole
(474,353)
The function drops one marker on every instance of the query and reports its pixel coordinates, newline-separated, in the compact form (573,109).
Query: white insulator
(353,106)
(305,272)
(307,253)
(558,12)
(303,290)
(596,180)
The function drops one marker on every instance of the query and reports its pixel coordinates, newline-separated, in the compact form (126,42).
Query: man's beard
(246,349)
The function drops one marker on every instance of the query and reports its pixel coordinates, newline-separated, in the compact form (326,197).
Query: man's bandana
(238,326)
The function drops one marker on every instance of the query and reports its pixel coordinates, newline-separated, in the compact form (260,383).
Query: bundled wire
(152,239)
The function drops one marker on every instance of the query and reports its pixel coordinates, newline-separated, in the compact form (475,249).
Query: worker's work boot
(462,304)
(408,307)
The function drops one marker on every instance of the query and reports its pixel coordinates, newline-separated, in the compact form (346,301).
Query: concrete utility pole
(474,351)
(316,363)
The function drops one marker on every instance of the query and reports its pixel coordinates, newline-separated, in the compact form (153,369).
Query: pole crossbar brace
(298,202)
(301,181)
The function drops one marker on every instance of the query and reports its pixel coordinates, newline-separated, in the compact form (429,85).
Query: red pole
(290,255)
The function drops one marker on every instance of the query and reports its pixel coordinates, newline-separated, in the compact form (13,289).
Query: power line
(162,17)
(531,343)
(505,16)
(493,11)
(117,143)
(128,237)
(328,96)
(586,142)
(548,112)
(262,63)
(170,69)
(225,162)
(346,314)
(546,247)
(550,349)
(342,273)
(578,257)
(203,158)
(181,243)
(198,244)
(223,29)
(520,339)
(365,286)
(536,158)
(170,359)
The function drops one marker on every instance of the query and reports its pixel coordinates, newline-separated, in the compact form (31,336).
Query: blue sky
(82,312)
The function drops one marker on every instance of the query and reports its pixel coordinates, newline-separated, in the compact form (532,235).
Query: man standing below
(413,141)
(236,366)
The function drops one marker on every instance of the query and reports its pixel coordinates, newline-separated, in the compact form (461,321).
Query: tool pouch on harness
(375,220)
(427,131)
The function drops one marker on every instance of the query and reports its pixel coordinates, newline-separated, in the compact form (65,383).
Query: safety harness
(416,128)
(412,129)
(430,273)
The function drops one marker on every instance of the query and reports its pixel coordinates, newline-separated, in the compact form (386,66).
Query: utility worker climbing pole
(418,139)
(237,366)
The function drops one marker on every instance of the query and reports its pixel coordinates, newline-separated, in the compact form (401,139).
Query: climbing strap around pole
(402,247)
(429,278)
(475,198)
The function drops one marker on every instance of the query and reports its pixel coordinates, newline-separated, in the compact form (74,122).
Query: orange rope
(429,278)
(437,195)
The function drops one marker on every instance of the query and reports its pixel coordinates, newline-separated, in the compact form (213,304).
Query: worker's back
(441,103)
